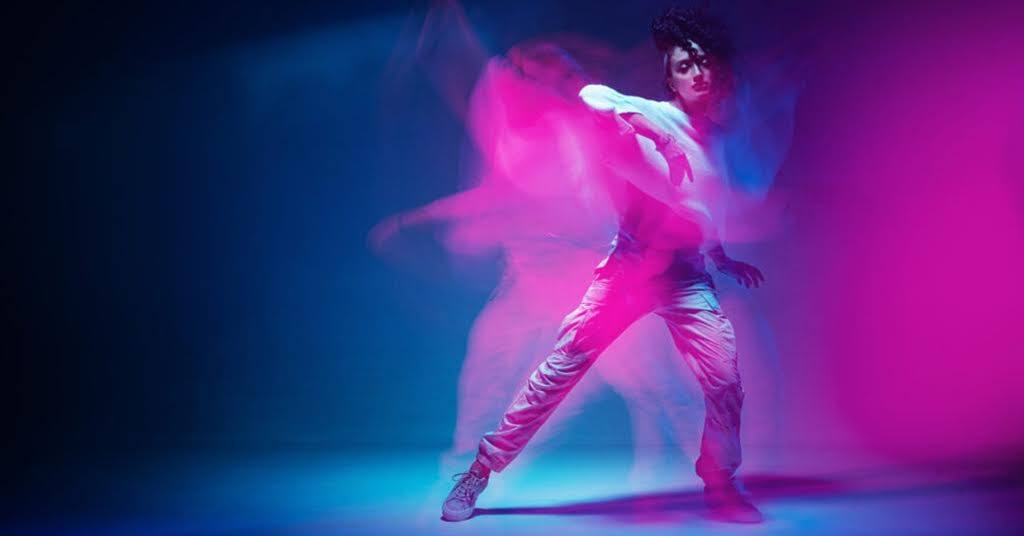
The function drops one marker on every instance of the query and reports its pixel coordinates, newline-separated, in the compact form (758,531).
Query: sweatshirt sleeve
(605,99)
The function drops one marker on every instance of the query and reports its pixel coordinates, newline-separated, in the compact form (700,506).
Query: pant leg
(706,339)
(613,301)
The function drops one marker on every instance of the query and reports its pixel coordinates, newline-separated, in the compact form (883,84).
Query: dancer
(546,259)
(667,220)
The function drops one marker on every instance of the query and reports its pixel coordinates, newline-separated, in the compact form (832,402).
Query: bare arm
(473,203)
(675,156)
(641,125)
(477,201)
(633,165)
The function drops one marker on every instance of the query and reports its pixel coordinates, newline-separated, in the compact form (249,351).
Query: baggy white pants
(626,287)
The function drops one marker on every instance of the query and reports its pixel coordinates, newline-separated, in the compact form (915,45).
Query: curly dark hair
(678,26)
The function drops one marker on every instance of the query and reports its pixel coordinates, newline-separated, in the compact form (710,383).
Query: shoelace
(465,490)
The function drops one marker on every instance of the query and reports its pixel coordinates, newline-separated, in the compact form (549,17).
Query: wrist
(662,141)
(669,147)
(718,256)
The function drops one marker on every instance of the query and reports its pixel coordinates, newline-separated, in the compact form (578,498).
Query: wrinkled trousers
(624,289)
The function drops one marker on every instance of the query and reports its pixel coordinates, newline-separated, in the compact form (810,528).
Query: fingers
(678,172)
(748,276)
(744,274)
(760,276)
(381,233)
(756,276)
(679,166)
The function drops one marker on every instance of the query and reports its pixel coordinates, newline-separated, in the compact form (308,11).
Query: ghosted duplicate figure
(656,265)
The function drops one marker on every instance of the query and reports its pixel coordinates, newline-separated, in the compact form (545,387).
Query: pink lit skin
(691,79)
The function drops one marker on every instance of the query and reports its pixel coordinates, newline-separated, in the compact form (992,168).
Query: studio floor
(593,493)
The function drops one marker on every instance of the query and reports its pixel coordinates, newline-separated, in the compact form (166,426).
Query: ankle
(719,480)
(480,469)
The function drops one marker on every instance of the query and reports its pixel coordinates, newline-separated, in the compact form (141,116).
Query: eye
(684,66)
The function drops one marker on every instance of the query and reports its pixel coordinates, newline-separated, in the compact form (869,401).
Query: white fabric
(699,199)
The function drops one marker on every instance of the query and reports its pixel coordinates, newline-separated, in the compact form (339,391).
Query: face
(689,78)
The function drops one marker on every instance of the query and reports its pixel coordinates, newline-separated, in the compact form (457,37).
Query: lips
(703,86)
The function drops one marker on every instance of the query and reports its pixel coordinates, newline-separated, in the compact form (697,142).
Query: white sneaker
(460,502)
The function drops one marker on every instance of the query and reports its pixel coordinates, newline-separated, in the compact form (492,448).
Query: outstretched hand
(383,232)
(744,274)
(678,165)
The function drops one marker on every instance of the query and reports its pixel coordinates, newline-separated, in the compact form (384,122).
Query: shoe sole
(736,520)
(726,514)
(457,516)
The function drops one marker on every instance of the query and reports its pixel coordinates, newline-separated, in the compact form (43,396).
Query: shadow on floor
(679,505)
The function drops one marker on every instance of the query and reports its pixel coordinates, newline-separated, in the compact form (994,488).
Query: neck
(696,110)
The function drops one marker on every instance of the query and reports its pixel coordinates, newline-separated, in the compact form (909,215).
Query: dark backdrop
(190,186)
